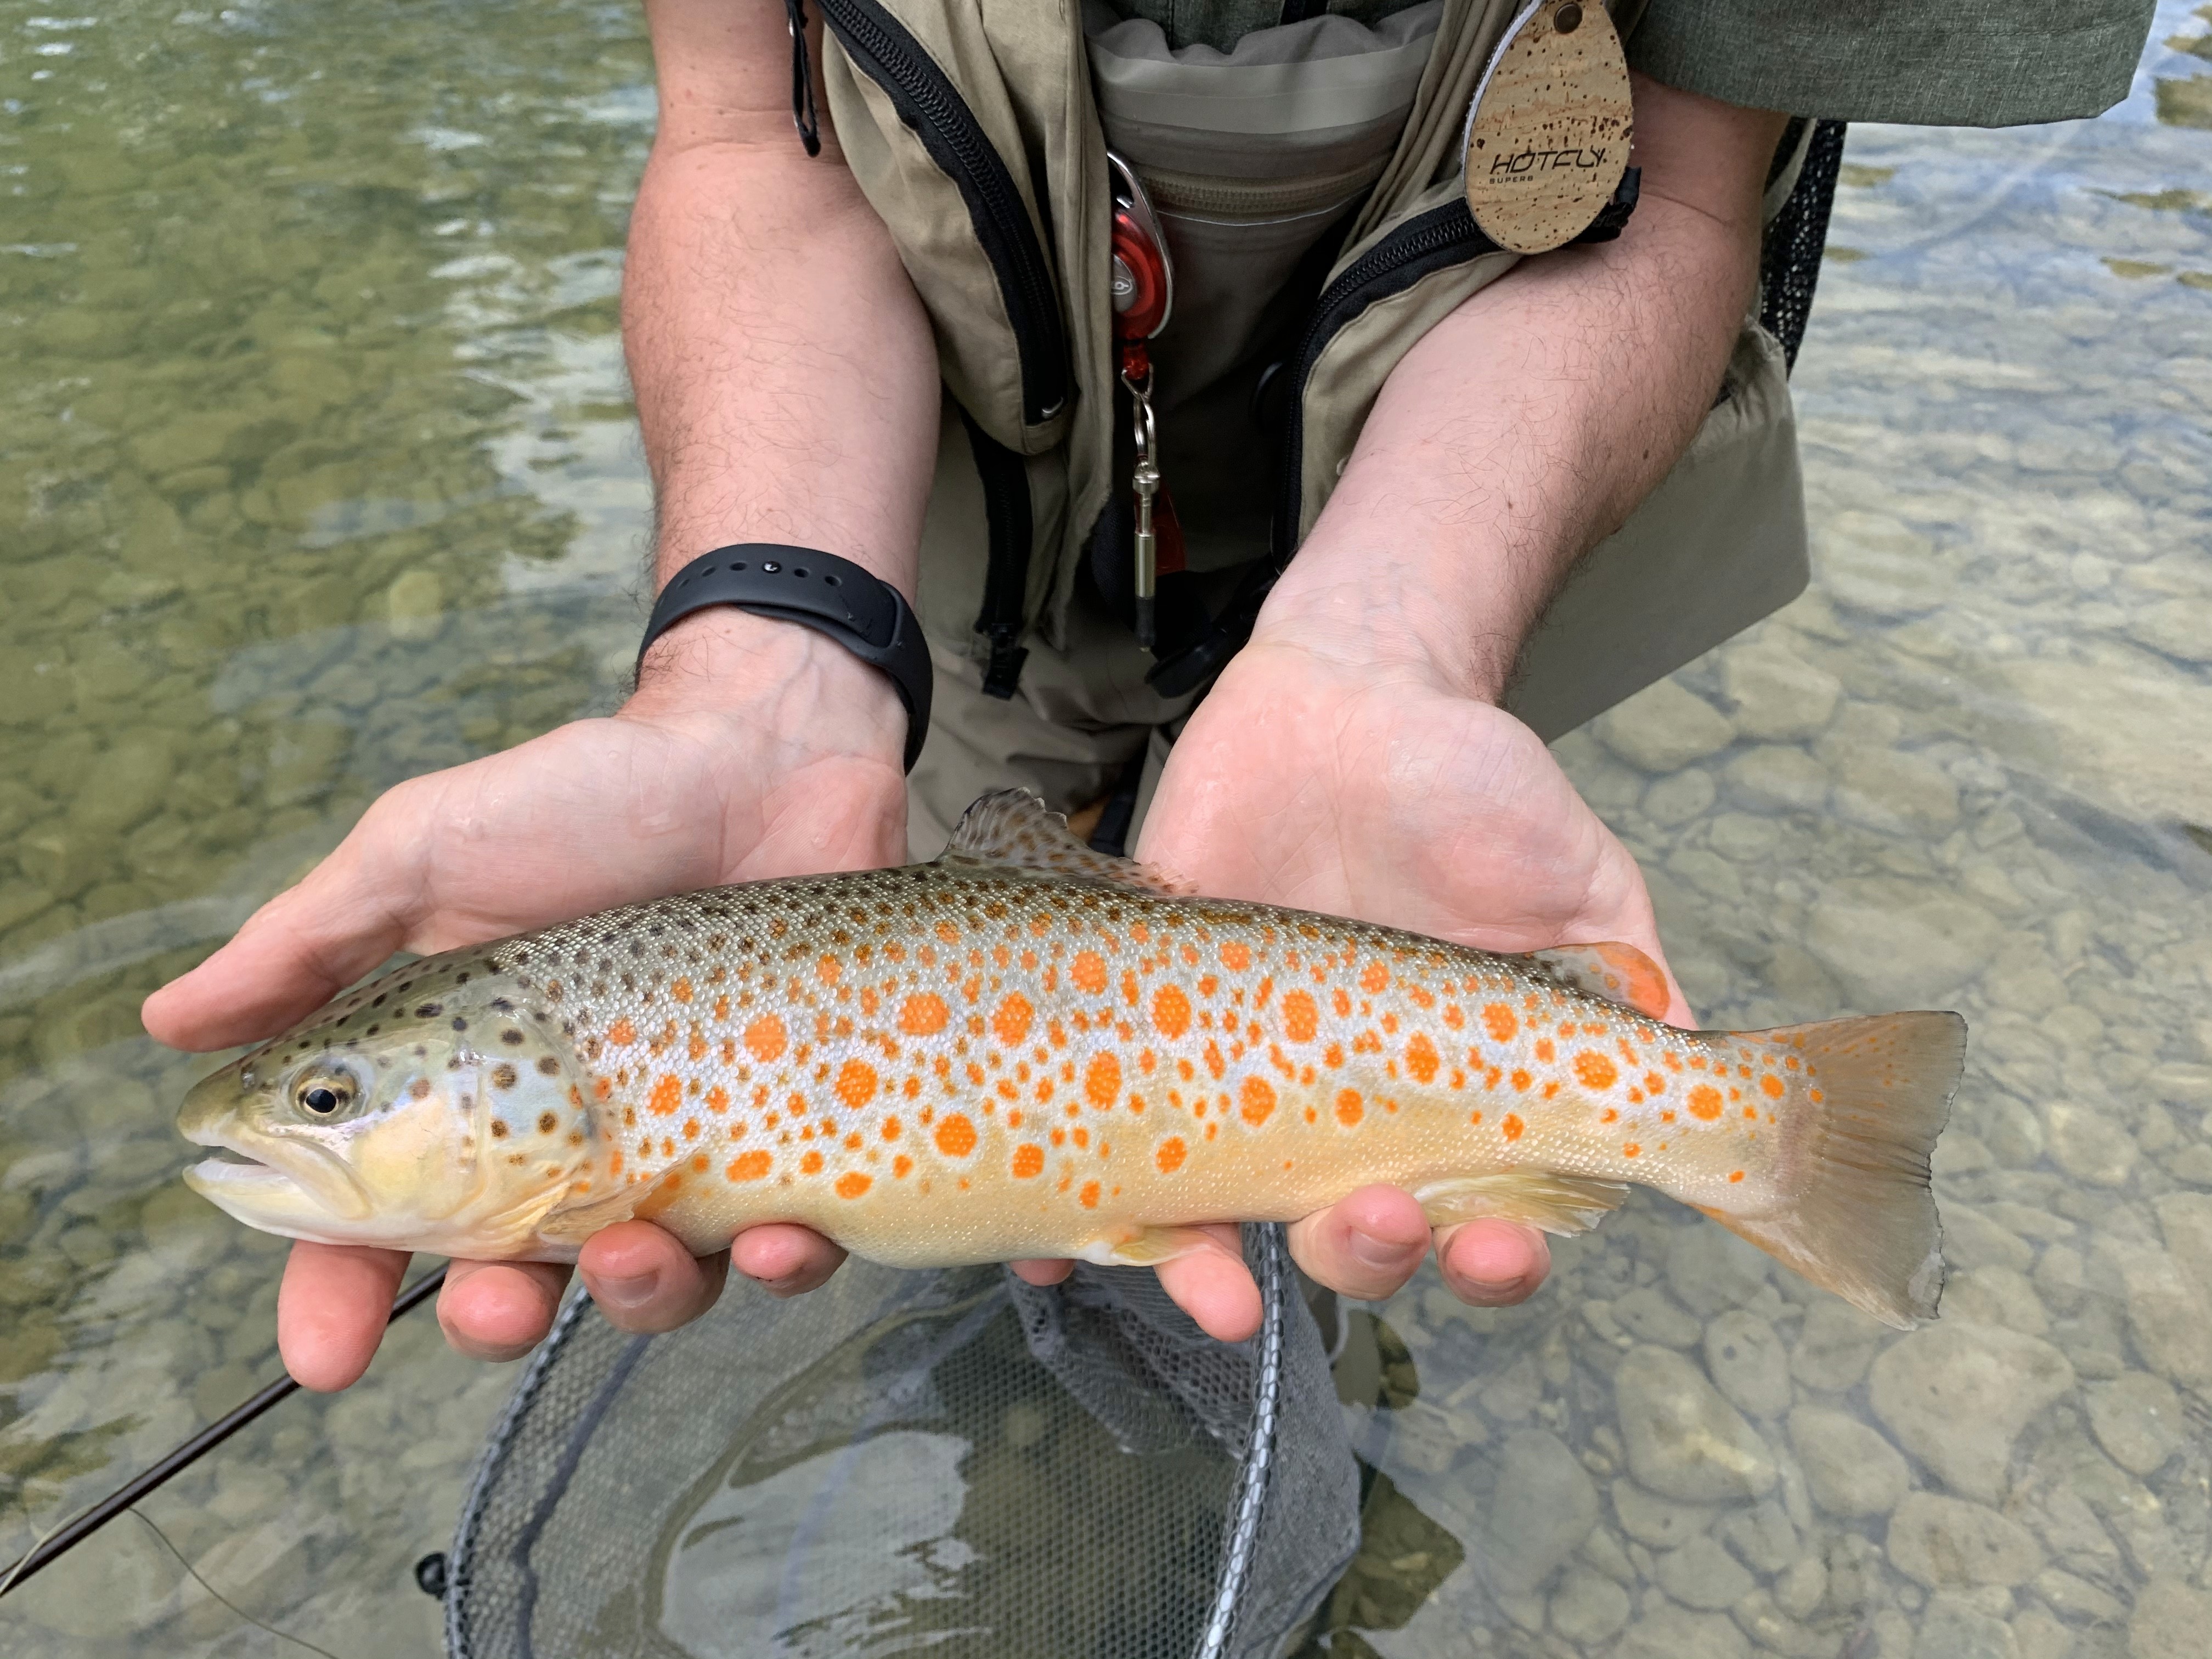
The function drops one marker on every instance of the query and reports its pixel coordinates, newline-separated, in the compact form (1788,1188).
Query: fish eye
(323,1094)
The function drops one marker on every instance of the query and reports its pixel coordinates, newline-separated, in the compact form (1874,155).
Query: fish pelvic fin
(1148,1248)
(1859,1218)
(1012,828)
(1561,1203)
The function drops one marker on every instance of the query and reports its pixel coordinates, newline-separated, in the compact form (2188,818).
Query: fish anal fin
(1858,1217)
(1562,1204)
(1148,1248)
(1011,828)
(1615,972)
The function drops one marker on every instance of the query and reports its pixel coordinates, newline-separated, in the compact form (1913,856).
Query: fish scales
(1026,1049)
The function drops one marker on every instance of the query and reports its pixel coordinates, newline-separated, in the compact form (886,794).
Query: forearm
(1526,425)
(784,371)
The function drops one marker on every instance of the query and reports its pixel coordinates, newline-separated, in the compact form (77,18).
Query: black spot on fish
(512,1038)
(546,1123)
(547,1065)
(430,1010)
(502,1004)
(379,1003)
(504,1076)
(498,1130)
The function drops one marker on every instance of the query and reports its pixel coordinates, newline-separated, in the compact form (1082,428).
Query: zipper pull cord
(802,80)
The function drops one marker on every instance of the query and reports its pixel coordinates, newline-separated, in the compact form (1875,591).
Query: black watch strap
(861,611)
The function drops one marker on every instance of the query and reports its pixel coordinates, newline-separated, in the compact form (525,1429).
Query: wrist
(1385,613)
(799,684)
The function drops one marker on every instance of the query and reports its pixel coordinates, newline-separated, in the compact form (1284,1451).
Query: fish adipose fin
(1149,1248)
(1562,1204)
(1013,827)
(1611,971)
(1861,1220)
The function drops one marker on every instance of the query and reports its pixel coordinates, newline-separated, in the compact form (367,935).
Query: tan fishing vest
(974,128)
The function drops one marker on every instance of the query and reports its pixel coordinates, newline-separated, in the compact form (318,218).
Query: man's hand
(759,749)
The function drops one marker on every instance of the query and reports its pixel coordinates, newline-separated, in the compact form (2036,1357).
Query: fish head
(450,1120)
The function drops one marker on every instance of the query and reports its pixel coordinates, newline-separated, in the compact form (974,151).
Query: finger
(1047,1272)
(1212,1285)
(1365,1246)
(332,1309)
(1492,1263)
(785,1259)
(500,1309)
(645,1281)
(296,952)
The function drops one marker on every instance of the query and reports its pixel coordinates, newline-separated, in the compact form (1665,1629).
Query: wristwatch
(833,596)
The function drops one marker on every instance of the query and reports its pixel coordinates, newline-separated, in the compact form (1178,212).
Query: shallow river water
(317,470)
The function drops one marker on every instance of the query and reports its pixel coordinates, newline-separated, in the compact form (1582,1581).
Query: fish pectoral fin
(1149,1248)
(1013,828)
(572,1224)
(1611,971)
(1562,1204)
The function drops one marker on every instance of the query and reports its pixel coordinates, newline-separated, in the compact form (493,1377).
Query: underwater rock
(1683,1440)
(2089,1145)
(1748,1362)
(1779,696)
(1777,780)
(1545,1507)
(1956,1395)
(1657,1522)
(1664,727)
(1587,1607)
(2137,1418)
(1702,1574)
(1954,1628)
(1836,1343)
(1880,565)
(1851,1470)
(2170,1621)
(1648,1314)
(1947,1543)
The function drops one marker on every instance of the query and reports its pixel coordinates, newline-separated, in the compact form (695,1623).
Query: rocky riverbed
(316,473)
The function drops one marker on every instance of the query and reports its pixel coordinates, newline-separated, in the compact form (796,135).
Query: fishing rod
(81,1526)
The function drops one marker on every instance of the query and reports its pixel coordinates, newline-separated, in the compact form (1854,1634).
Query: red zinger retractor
(1144,297)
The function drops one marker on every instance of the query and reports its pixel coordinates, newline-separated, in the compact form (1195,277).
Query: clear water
(317,470)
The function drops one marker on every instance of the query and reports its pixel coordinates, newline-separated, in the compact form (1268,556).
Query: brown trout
(1027,1049)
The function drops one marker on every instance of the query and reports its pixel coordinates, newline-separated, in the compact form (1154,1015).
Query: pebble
(1683,1440)
(1664,728)
(1952,1627)
(2170,1621)
(1899,946)
(2137,1418)
(1670,1632)
(1996,1296)
(1545,1507)
(1850,1470)
(1658,1521)
(1774,779)
(1947,1543)
(1878,564)
(2077,1599)
(1801,1587)
(1957,1396)
(1779,696)
(1650,1315)
(2168,1317)
(1702,1574)
(2087,1144)
(1895,792)
(1836,1344)
(1747,1363)
(1587,1607)
(1709,1268)
(1676,800)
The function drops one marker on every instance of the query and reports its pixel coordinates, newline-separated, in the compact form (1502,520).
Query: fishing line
(282,1636)
(78,1528)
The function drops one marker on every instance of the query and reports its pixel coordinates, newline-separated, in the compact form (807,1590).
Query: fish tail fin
(1859,1218)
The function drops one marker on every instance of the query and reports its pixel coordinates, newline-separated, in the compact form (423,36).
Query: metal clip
(1146,482)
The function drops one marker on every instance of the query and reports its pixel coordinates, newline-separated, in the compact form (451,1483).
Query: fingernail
(629,1292)
(1379,1254)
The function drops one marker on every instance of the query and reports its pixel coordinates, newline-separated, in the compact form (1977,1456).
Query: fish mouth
(284,1187)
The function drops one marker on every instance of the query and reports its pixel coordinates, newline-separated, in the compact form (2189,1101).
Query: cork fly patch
(1548,135)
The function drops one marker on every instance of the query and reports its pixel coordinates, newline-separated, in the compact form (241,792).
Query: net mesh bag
(1789,261)
(950,1460)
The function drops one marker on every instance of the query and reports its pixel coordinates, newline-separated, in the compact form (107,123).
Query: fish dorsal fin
(1616,973)
(1011,828)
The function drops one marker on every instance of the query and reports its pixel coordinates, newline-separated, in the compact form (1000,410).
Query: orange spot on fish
(902,1165)
(1171,1155)
(1339,1001)
(680,989)
(1029,1161)
(826,970)
(765,1039)
(1497,1019)
(667,1095)
(1349,1109)
(1520,1079)
(1088,1197)
(718,1099)
(1771,1086)
(923,1015)
(1170,1012)
(1374,979)
(856,1084)
(1545,1051)
(1736,1174)
(1422,1059)
(1630,1150)
(853,1183)
(1236,956)
(891,1129)
(1010,1023)
(1595,1070)
(622,1033)
(1511,1126)
(811,1164)
(1102,1081)
(1257,1100)
(1705,1102)
(956,1135)
(748,1166)
(1300,1017)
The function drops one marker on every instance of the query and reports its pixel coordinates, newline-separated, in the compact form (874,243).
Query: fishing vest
(1322,185)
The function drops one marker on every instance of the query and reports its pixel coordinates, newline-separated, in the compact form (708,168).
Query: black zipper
(1006,481)
(928,101)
